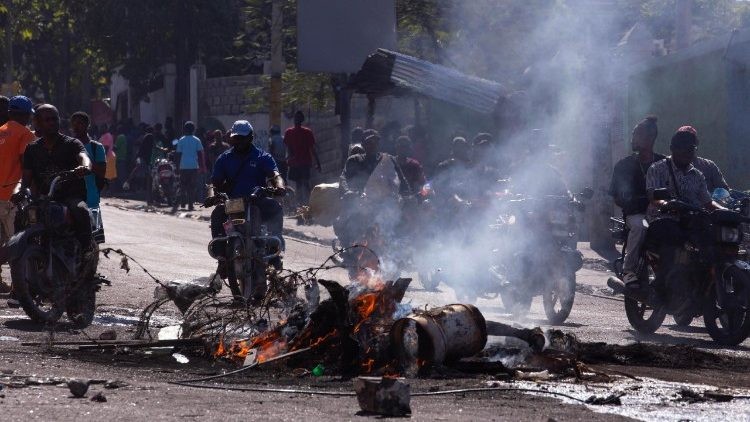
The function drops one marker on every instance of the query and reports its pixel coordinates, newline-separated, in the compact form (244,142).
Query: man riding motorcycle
(53,153)
(685,183)
(237,173)
(628,188)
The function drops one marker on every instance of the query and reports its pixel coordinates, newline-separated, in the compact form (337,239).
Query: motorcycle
(715,283)
(247,250)
(164,181)
(538,254)
(50,272)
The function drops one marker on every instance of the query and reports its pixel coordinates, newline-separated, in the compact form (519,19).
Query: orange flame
(368,365)
(268,345)
(365,305)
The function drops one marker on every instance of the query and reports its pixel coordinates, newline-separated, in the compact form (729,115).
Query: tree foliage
(65,49)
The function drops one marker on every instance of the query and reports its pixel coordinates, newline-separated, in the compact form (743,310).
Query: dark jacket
(628,186)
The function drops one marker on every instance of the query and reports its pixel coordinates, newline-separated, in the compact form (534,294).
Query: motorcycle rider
(238,172)
(628,188)
(354,178)
(52,153)
(712,173)
(685,183)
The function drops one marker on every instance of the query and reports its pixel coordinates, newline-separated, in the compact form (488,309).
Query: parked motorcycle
(538,254)
(247,250)
(50,272)
(714,284)
(164,182)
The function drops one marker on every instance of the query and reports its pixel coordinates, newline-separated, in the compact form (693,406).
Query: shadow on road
(690,341)
(35,327)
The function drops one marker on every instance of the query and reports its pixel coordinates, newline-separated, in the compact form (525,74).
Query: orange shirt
(13,140)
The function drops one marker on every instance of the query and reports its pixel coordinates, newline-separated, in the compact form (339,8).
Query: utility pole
(277,64)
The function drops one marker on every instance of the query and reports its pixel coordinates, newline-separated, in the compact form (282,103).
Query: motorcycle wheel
(258,282)
(29,280)
(81,309)
(640,318)
(81,305)
(729,327)
(234,269)
(558,298)
(683,320)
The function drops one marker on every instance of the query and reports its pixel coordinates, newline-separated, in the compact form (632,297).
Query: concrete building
(706,85)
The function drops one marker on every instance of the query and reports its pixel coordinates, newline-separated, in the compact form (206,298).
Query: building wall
(693,91)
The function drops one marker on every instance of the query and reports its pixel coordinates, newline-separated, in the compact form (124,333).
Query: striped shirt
(691,185)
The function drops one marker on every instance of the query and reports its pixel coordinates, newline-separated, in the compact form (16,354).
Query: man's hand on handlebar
(19,196)
(278,191)
(81,171)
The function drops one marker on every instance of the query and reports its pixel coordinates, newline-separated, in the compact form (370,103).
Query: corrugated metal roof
(432,80)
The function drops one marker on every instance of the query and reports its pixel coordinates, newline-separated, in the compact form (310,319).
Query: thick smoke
(562,65)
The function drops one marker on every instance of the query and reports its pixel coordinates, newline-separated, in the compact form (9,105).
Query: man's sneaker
(14,303)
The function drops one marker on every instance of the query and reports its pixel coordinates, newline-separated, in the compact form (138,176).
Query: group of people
(686,177)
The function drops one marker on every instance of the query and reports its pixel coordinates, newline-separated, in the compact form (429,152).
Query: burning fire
(267,346)
(364,305)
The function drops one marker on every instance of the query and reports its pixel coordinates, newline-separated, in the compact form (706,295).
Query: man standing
(277,149)
(189,161)
(215,149)
(628,188)
(79,124)
(121,150)
(300,142)
(14,137)
(108,142)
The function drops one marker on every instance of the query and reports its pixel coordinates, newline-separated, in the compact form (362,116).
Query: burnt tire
(27,272)
(639,318)
(729,327)
(558,299)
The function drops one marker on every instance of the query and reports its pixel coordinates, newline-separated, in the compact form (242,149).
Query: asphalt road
(175,248)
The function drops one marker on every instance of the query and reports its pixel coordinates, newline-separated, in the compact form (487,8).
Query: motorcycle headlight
(731,235)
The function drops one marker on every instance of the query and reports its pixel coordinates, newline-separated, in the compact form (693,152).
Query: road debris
(78,387)
(383,396)
(99,398)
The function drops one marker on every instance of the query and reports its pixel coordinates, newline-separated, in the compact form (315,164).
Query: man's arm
(719,177)
(84,161)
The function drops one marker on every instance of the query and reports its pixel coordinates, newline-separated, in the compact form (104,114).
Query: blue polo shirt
(258,167)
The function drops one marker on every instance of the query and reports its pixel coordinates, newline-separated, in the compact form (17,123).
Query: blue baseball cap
(21,104)
(241,128)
